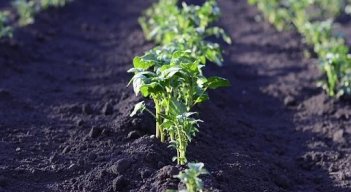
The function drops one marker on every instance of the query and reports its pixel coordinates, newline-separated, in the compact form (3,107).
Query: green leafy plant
(171,74)
(314,20)
(190,177)
(165,22)
(44,4)
(26,10)
(274,14)
(188,27)
(5,29)
(174,81)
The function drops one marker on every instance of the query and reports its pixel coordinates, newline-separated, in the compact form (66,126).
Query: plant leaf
(140,63)
(217,82)
(139,107)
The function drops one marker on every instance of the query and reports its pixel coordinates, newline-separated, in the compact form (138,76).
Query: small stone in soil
(94,132)
(118,183)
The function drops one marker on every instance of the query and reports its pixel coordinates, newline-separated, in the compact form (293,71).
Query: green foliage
(314,20)
(174,81)
(26,9)
(171,73)
(190,177)
(165,23)
(44,4)
(272,11)
(5,29)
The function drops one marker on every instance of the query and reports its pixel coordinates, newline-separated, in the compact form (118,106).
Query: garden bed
(64,109)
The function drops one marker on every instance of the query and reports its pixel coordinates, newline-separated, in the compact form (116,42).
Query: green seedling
(26,11)
(174,81)
(314,20)
(171,74)
(190,177)
(44,4)
(5,29)
(188,27)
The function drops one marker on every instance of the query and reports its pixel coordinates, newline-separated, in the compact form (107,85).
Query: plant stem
(180,148)
(159,131)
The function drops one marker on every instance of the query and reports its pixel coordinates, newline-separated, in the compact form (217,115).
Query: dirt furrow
(64,109)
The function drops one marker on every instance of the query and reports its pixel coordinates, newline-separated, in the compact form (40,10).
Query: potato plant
(190,177)
(314,20)
(188,27)
(174,81)
(44,4)
(171,73)
(26,9)
(5,29)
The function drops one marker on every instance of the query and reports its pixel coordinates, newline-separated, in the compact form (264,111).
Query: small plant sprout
(5,29)
(26,10)
(44,4)
(190,177)
(186,28)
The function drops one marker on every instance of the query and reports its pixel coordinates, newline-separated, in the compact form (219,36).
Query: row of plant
(171,74)
(314,19)
(25,11)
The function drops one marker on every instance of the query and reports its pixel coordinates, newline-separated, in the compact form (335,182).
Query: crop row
(314,19)
(171,74)
(24,11)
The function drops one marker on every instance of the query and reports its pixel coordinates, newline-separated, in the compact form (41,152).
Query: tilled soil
(64,109)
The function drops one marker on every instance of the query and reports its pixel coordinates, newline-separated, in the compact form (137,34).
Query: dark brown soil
(64,109)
